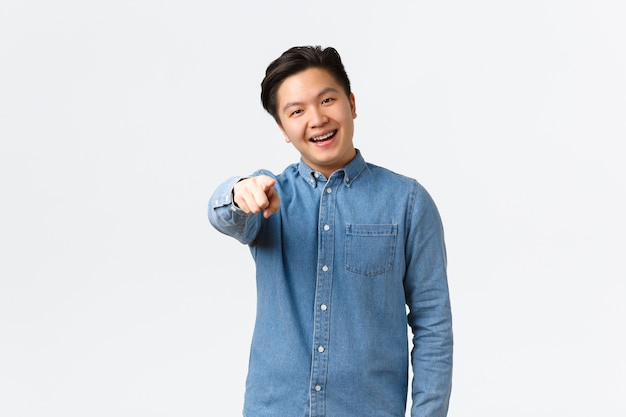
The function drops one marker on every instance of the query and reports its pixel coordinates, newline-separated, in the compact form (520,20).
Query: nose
(318,117)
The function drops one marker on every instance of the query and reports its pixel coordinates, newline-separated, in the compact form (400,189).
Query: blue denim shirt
(336,268)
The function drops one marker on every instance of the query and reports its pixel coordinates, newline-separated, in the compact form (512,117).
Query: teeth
(326,136)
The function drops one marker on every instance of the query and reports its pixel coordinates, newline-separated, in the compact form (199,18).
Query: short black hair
(295,60)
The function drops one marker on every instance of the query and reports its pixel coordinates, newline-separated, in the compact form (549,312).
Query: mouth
(323,138)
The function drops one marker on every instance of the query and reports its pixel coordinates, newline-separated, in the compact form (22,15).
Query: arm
(236,205)
(430,315)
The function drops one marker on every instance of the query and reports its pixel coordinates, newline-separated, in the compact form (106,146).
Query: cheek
(294,131)
(288,134)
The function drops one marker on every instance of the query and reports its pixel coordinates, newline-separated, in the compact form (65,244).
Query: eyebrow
(320,94)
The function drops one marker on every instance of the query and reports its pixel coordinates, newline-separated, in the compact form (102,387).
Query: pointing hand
(255,194)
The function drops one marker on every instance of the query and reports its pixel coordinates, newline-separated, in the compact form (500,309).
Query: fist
(255,194)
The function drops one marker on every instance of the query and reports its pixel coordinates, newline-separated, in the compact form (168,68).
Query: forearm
(431,360)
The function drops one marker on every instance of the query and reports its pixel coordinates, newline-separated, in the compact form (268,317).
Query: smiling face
(317,117)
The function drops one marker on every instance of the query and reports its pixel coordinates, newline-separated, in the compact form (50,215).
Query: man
(341,248)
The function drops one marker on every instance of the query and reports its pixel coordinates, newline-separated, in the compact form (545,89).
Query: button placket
(323,292)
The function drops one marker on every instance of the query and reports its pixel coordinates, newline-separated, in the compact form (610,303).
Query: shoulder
(288,171)
(283,178)
(398,184)
(381,174)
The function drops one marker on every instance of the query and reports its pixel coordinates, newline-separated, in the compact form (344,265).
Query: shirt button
(325,268)
(326,227)
(329,190)
(320,349)
(323,307)
(318,388)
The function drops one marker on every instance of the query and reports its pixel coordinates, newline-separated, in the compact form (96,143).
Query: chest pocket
(370,248)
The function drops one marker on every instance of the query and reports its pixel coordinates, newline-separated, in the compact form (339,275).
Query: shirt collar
(350,172)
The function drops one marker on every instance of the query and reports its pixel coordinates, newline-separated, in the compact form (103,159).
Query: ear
(283,132)
(353,105)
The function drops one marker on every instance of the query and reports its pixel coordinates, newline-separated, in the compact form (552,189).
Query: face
(317,117)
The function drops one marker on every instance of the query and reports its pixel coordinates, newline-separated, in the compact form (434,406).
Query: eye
(296,112)
(328,100)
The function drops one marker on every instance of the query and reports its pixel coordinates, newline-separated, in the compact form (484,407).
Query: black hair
(295,60)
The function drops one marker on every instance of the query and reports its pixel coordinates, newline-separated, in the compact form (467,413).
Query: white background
(119,118)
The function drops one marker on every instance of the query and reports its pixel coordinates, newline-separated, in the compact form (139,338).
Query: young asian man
(342,247)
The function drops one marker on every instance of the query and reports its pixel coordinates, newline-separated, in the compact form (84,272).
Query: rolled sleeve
(230,220)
